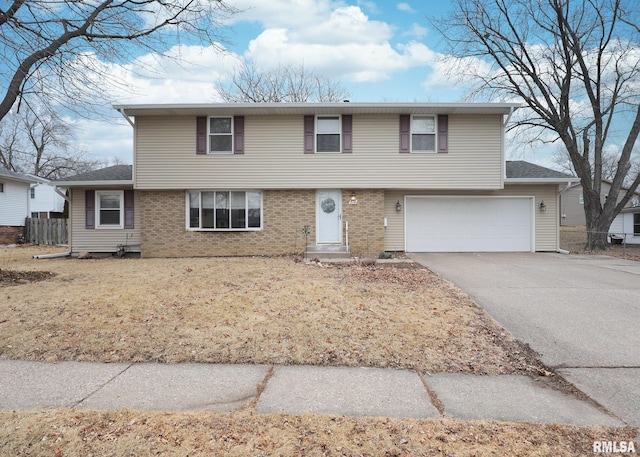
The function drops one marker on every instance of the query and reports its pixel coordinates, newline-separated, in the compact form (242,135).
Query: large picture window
(110,206)
(224,210)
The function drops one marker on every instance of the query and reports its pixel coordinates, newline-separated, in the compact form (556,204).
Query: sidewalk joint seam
(108,381)
(435,401)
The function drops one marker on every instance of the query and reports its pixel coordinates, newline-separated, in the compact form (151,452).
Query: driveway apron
(580,313)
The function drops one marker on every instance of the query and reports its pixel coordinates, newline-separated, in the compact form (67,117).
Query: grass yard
(574,239)
(267,311)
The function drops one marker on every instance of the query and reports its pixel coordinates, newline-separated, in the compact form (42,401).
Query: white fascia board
(540,180)
(63,184)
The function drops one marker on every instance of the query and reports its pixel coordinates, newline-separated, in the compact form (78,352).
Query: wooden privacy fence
(45,231)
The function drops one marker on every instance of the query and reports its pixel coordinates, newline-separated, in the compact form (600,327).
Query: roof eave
(540,180)
(114,183)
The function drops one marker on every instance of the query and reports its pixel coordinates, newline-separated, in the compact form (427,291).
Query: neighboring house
(245,179)
(572,203)
(14,204)
(45,202)
(626,225)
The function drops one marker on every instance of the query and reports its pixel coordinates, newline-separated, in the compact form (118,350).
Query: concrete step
(328,251)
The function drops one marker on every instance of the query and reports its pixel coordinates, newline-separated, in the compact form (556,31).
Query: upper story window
(221,135)
(32,192)
(1,187)
(636,224)
(328,134)
(423,134)
(110,207)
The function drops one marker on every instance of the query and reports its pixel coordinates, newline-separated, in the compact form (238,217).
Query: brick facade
(366,222)
(285,213)
(9,235)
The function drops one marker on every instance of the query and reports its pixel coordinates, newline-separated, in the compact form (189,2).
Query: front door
(329,216)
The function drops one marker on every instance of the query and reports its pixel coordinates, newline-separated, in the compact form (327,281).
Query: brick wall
(9,235)
(285,212)
(366,222)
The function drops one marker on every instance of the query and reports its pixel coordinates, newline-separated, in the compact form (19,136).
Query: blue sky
(379,50)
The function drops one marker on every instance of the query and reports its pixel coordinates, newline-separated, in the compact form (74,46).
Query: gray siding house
(246,179)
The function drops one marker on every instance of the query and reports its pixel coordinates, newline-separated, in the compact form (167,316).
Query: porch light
(353,199)
(543,207)
(398,206)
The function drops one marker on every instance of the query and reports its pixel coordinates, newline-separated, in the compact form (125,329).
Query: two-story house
(246,179)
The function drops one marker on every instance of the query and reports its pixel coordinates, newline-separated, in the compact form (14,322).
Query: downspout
(121,111)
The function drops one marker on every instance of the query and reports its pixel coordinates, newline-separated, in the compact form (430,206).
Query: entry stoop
(328,251)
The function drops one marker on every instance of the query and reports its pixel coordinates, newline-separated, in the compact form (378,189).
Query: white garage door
(468,224)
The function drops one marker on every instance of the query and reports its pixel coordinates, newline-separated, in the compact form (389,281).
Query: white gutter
(121,111)
(540,180)
(128,182)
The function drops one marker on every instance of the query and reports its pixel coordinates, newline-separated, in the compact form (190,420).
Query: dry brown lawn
(72,433)
(247,310)
(258,310)
(574,239)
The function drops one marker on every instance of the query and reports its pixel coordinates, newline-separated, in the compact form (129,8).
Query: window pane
(207,209)
(220,143)
(194,209)
(636,225)
(423,124)
(110,201)
(222,209)
(424,142)
(109,217)
(328,143)
(329,124)
(238,211)
(220,125)
(253,203)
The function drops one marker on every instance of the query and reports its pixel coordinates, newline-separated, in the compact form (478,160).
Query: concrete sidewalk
(288,389)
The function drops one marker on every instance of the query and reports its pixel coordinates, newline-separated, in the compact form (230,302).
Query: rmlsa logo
(614,447)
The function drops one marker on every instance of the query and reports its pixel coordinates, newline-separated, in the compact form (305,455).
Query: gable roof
(15,176)
(115,175)
(520,171)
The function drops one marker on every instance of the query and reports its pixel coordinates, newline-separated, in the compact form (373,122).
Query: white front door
(329,216)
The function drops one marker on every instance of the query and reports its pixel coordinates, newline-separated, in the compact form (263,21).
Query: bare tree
(575,64)
(42,144)
(48,45)
(284,83)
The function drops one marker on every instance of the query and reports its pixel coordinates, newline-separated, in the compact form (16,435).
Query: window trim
(435,134)
(636,224)
(316,133)
(229,229)
(119,226)
(1,188)
(231,134)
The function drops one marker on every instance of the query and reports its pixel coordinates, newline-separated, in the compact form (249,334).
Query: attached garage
(469,224)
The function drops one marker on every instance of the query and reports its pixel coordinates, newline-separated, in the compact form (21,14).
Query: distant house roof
(117,174)
(521,171)
(15,176)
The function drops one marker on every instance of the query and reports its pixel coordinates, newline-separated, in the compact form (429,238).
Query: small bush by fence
(45,231)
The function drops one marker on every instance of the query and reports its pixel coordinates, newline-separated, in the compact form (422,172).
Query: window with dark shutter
(309,124)
(238,135)
(347,133)
(443,133)
(405,133)
(201,135)
(128,209)
(89,209)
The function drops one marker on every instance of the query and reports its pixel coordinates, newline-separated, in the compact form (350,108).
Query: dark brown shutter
(309,128)
(238,134)
(201,135)
(443,133)
(347,133)
(128,209)
(89,209)
(405,133)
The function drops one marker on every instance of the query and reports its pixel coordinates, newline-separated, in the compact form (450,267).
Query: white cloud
(416,31)
(405,7)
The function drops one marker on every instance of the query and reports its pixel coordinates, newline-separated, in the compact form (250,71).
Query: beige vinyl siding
(165,156)
(101,240)
(546,223)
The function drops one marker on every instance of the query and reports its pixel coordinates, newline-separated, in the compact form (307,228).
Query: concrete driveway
(580,313)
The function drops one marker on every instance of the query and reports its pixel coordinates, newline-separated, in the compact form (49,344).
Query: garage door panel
(463,224)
